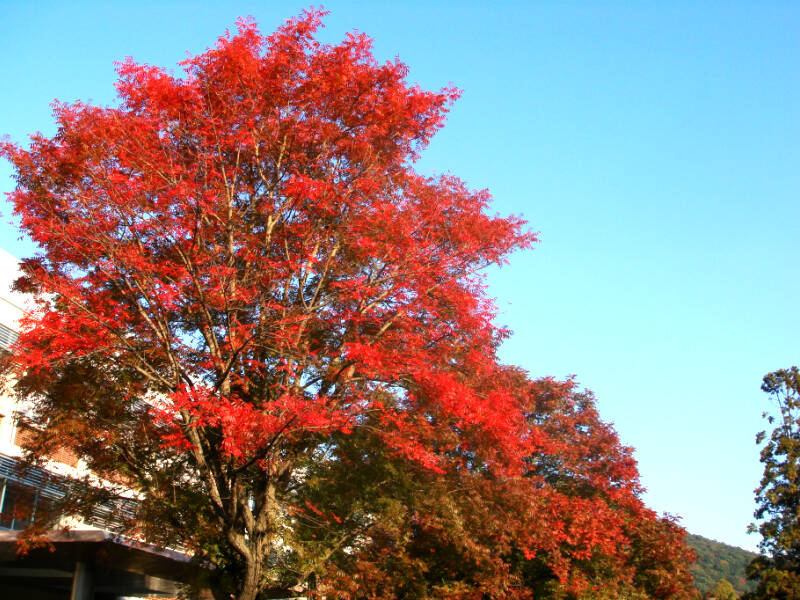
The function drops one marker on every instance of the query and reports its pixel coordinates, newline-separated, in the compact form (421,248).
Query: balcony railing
(7,337)
(34,487)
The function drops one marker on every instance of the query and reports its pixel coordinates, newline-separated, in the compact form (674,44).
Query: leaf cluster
(716,561)
(259,323)
(777,570)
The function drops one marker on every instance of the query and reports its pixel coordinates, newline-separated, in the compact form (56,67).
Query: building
(88,560)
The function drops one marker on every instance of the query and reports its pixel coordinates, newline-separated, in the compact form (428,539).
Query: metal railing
(109,516)
(7,337)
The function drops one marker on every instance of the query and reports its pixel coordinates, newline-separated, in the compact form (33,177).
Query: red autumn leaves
(248,248)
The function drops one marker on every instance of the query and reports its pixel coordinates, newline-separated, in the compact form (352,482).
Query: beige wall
(11,303)
(11,309)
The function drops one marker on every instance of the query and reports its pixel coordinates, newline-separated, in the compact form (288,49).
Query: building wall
(11,310)
(12,436)
(55,576)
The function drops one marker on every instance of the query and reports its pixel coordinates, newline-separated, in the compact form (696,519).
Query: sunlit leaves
(244,263)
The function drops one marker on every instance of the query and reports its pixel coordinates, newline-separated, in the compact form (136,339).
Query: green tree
(723,590)
(716,561)
(777,570)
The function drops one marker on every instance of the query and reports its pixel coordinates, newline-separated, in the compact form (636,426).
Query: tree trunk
(250,585)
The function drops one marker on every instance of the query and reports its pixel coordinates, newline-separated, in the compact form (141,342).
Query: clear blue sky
(653,145)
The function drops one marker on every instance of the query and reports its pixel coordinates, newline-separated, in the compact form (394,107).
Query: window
(17,505)
(26,494)
(7,337)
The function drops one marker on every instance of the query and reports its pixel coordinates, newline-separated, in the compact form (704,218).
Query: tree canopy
(723,590)
(777,570)
(717,561)
(256,320)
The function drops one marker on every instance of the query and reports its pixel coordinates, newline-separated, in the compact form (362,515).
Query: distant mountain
(716,561)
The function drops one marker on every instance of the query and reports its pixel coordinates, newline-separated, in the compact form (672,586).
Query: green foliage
(777,495)
(777,570)
(777,580)
(717,561)
(723,590)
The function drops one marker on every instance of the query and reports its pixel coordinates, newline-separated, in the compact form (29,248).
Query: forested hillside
(716,561)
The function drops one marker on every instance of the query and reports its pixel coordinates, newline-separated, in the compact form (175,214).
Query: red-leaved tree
(243,284)
(571,528)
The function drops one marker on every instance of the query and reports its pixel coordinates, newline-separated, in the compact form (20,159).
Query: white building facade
(87,561)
